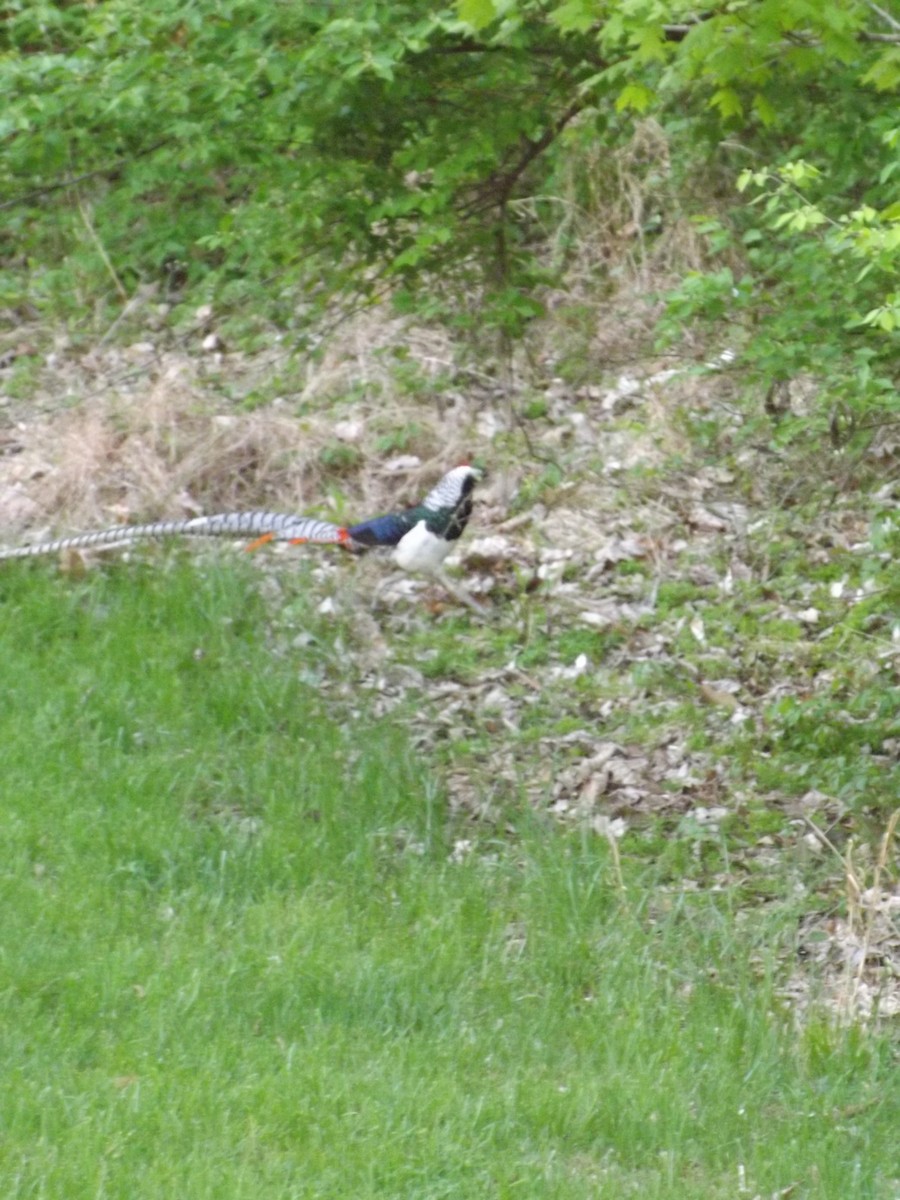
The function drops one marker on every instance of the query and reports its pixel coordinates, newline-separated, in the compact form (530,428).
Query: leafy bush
(253,150)
(279,158)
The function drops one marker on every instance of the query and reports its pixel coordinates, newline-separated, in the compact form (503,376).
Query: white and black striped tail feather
(267,526)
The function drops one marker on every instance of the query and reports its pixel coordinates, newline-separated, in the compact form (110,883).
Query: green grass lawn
(237,958)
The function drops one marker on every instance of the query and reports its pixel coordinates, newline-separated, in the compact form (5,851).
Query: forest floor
(316,883)
(692,647)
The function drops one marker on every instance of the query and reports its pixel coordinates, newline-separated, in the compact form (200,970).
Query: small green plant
(22,380)
(399,440)
(535,409)
(340,458)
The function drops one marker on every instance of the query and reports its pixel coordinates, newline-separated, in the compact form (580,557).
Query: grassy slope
(237,958)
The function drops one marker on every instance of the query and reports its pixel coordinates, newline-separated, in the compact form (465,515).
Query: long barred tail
(262,526)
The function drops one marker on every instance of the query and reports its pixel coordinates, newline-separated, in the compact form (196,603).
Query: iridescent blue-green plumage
(445,511)
(383,531)
(421,536)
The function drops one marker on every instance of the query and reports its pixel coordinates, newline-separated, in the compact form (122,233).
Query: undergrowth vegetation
(459,162)
(246,953)
(312,884)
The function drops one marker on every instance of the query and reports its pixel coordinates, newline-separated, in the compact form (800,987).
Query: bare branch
(110,169)
(497,189)
(679,31)
(885,16)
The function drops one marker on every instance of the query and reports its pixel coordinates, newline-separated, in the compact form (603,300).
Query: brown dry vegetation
(157,438)
(591,506)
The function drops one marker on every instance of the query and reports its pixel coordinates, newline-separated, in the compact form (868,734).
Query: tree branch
(679,31)
(885,16)
(499,187)
(109,169)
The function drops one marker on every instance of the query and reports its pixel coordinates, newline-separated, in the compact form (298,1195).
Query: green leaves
(477,13)
(821,298)
(884,73)
(575,16)
(636,97)
(727,102)
(294,157)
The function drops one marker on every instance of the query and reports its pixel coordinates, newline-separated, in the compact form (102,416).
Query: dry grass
(853,967)
(361,357)
(618,230)
(139,433)
(169,447)
(162,451)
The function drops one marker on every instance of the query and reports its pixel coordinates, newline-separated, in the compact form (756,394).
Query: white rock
(403,462)
(349,431)
(488,424)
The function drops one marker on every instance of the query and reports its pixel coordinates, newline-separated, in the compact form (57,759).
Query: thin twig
(461,594)
(885,16)
(867,911)
(824,839)
(101,250)
(498,189)
(109,169)
(140,297)
(617,863)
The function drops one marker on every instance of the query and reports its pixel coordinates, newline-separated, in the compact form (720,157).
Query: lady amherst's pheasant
(421,536)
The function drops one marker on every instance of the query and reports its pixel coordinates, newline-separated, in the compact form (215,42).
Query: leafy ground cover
(251,948)
(312,883)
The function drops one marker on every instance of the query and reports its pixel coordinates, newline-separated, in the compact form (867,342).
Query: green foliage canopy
(241,142)
(276,156)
